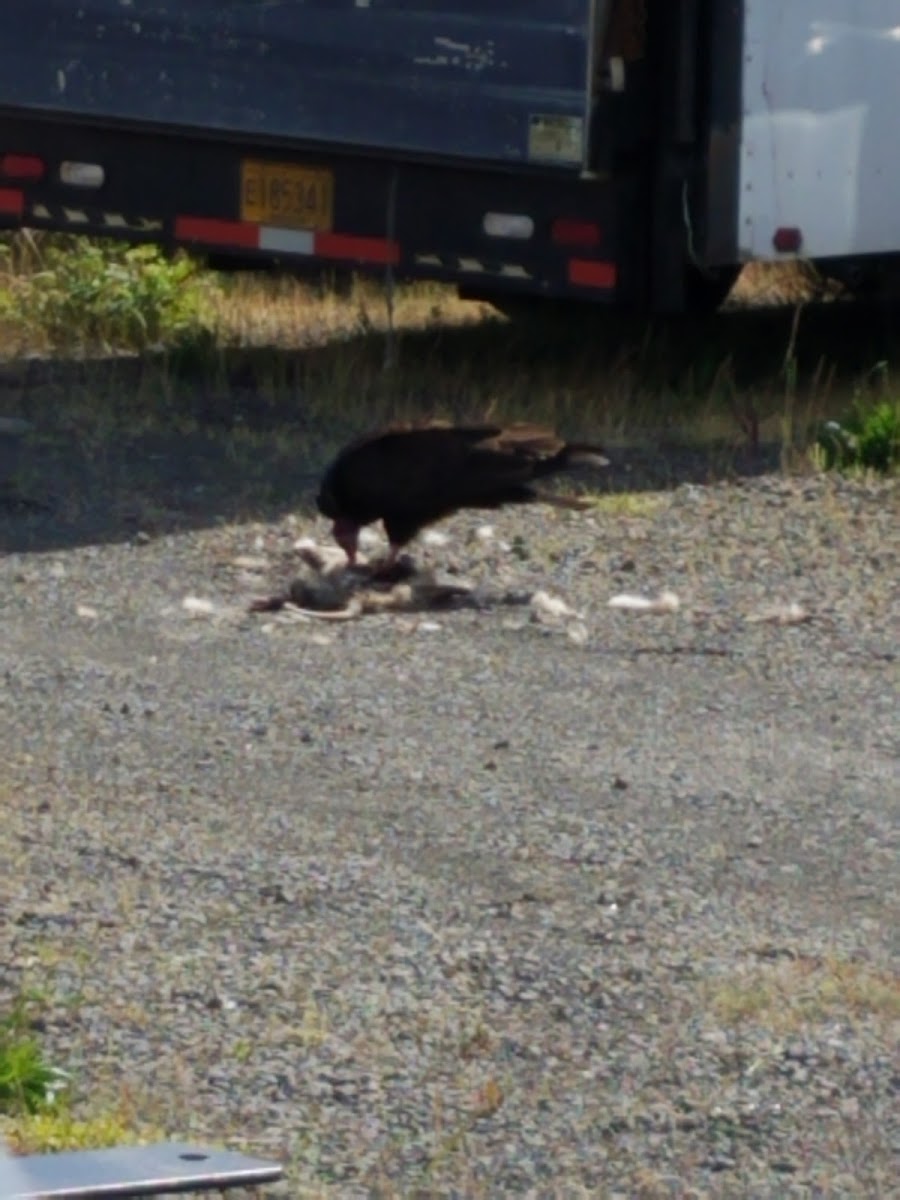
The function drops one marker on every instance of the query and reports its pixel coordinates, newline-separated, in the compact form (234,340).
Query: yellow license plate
(286,195)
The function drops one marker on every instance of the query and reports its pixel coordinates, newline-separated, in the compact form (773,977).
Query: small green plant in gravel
(866,438)
(84,295)
(36,1104)
(28,1083)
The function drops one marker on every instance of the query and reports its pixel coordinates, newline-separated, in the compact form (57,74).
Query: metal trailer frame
(644,184)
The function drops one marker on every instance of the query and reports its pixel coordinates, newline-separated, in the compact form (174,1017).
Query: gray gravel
(465,904)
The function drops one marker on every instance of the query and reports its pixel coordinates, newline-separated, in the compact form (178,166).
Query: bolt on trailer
(623,152)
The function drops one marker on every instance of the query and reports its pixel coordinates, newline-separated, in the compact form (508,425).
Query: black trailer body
(538,147)
(468,80)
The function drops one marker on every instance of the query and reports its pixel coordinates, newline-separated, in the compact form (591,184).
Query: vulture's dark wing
(521,451)
(397,468)
(410,477)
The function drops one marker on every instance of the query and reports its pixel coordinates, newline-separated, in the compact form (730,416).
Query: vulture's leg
(346,533)
(400,532)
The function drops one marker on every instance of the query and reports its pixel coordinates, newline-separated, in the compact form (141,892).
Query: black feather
(409,478)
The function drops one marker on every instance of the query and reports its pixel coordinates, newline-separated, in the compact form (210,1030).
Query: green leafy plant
(105,295)
(867,438)
(28,1084)
(37,1103)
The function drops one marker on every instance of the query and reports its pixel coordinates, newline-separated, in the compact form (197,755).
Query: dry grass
(43,1132)
(788,283)
(630,505)
(767,376)
(283,312)
(788,996)
(257,310)
(273,365)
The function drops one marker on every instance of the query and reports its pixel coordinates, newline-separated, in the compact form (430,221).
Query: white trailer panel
(820,141)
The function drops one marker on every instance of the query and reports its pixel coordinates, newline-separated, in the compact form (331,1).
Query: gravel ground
(466,903)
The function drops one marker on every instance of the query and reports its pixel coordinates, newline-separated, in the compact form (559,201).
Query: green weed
(37,1108)
(867,437)
(28,1083)
(82,296)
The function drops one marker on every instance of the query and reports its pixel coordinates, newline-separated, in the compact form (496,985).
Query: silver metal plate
(131,1171)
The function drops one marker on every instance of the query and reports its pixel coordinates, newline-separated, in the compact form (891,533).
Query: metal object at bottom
(124,1171)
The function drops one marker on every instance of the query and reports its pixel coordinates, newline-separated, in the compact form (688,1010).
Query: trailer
(622,152)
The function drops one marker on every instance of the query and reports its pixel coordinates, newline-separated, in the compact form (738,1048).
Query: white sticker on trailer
(819,143)
(555,138)
(286,241)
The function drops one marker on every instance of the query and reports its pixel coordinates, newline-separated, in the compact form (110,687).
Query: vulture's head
(346,533)
(344,530)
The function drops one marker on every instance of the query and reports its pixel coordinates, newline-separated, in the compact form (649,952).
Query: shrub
(867,438)
(83,294)
(28,1084)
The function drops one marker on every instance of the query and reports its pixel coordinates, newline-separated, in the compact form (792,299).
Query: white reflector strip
(508,225)
(288,241)
(82,174)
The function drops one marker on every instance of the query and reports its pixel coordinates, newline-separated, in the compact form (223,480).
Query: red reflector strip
(21,166)
(217,233)
(12,202)
(366,249)
(287,241)
(567,232)
(591,273)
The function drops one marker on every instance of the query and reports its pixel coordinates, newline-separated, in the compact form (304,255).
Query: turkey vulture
(411,477)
